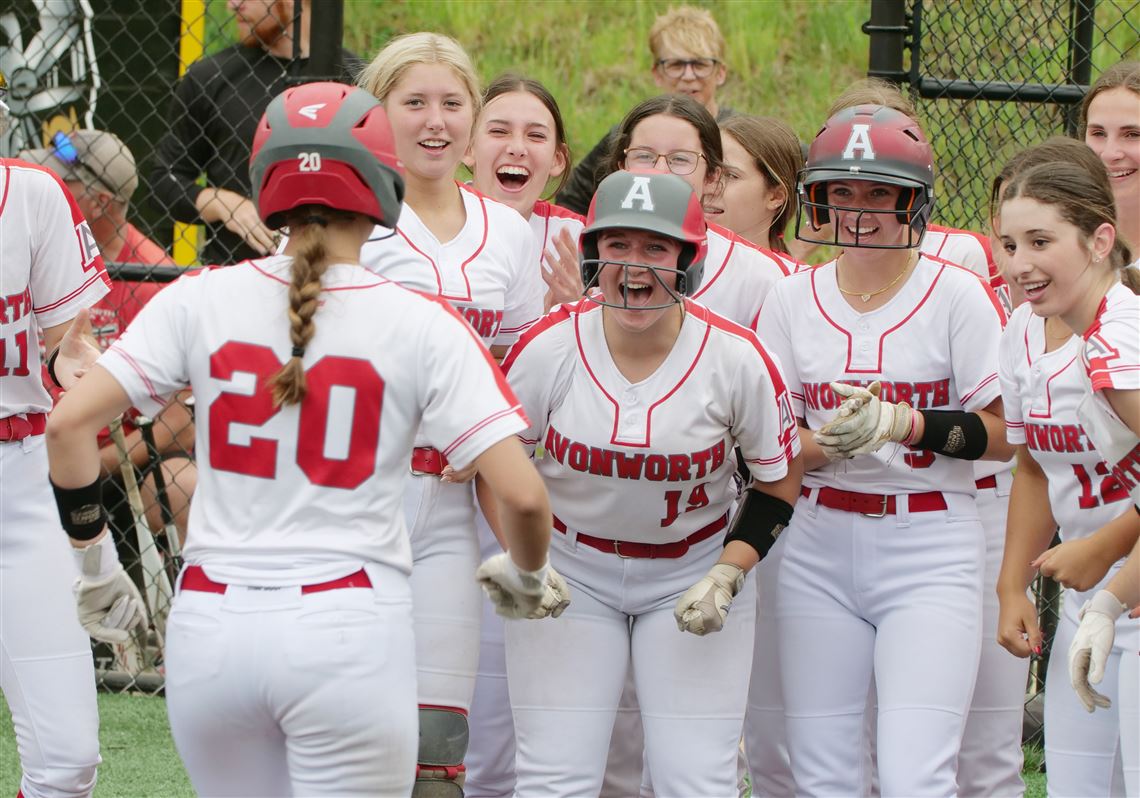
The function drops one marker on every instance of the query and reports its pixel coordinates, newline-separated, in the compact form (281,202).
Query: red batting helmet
(876,144)
(658,202)
(326,144)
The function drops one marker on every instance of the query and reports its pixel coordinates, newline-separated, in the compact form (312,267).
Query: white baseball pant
(46,669)
(566,676)
(1087,753)
(446,600)
(275,692)
(900,596)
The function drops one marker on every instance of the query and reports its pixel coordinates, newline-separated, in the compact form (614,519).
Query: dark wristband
(954,433)
(51,367)
(81,510)
(759,521)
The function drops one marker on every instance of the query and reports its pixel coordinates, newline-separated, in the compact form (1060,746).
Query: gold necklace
(1052,337)
(866,297)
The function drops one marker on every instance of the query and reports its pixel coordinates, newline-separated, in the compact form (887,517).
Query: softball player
(1057,231)
(518,148)
(290,664)
(677,133)
(51,271)
(1108,119)
(638,397)
(884,559)
(477,254)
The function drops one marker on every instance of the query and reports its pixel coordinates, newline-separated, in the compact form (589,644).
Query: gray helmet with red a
(876,144)
(326,144)
(657,202)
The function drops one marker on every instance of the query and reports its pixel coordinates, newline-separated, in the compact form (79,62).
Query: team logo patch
(310,111)
(639,192)
(859,141)
(88,248)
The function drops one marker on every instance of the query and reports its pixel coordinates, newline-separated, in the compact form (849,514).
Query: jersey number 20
(259,457)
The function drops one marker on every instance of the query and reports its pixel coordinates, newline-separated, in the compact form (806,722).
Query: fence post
(887,29)
(325,41)
(1081,28)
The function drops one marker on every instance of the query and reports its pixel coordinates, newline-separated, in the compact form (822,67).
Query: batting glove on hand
(515,593)
(1091,646)
(704,607)
(864,422)
(109,604)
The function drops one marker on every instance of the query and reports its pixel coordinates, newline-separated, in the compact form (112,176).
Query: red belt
(194,578)
(987,482)
(649,551)
(875,504)
(426,460)
(16,428)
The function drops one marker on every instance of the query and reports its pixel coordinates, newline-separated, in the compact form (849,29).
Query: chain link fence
(989,79)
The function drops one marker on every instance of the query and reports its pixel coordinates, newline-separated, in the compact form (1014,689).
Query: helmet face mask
(873,144)
(658,203)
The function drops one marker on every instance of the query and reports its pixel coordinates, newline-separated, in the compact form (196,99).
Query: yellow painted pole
(191,45)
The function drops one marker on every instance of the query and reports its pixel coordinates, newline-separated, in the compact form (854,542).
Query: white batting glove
(515,593)
(703,608)
(1091,646)
(864,422)
(108,602)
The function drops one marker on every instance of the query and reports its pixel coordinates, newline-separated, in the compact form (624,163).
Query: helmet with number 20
(326,144)
(876,144)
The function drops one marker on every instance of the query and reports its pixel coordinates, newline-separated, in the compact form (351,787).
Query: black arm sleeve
(759,520)
(182,154)
(583,181)
(954,433)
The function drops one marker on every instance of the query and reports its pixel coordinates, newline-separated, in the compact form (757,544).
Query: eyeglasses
(680,162)
(675,67)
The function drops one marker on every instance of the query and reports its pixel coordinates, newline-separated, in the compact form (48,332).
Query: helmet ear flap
(818,214)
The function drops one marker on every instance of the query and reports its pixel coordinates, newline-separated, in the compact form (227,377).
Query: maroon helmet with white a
(326,144)
(876,144)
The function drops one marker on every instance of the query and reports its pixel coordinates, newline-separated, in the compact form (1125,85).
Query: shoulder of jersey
(958,272)
(553,333)
(720,325)
(548,210)
(756,252)
(34,172)
(497,212)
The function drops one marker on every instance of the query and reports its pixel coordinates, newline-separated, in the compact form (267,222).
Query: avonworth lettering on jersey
(604,462)
(921,395)
(485,321)
(1127,470)
(15,306)
(1066,438)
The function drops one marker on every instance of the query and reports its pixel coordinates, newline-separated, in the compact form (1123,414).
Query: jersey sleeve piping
(491,419)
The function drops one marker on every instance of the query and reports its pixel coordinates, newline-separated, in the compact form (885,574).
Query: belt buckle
(617,551)
(882,512)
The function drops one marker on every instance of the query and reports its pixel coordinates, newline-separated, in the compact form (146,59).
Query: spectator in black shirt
(213,116)
(688,58)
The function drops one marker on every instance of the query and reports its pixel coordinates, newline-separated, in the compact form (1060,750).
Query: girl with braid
(290,655)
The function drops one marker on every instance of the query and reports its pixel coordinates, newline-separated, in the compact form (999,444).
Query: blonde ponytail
(309,264)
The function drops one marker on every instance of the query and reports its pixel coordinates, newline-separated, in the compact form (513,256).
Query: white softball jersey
(738,276)
(652,461)
(933,345)
(1041,392)
(486,271)
(1110,359)
(39,224)
(547,222)
(313,489)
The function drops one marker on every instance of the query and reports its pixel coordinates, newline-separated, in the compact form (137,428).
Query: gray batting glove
(864,422)
(515,593)
(1091,646)
(108,602)
(555,596)
(703,608)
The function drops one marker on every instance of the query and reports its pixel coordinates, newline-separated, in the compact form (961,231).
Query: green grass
(139,760)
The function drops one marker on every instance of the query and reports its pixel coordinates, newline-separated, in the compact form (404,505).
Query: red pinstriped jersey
(50,269)
(313,489)
(933,345)
(738,276)
(486,271)
(1110,358)
(1041,392)
(650,461)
